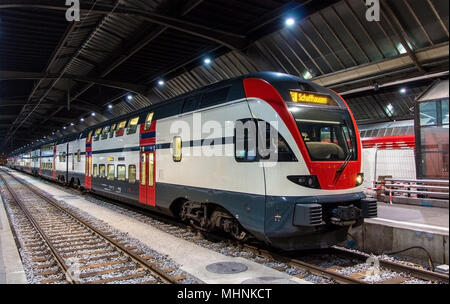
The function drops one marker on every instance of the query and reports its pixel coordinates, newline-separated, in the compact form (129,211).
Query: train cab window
(132,125)
(111,172)
(95,170)
(90,136)
(121,172)
(105,132)
(97,134)
(148,121)
(111,131)
(79,155)
(132,174)
(121,128)
(177,149)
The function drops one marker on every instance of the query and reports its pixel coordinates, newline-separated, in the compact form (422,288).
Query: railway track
(298,261)
(405,272)
(69,249)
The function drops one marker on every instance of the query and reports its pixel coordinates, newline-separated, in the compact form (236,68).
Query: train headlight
(359,179)
(309,181)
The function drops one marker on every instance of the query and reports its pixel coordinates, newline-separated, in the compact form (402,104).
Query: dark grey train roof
(279,80)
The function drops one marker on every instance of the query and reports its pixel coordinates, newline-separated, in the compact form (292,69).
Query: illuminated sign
(305,97)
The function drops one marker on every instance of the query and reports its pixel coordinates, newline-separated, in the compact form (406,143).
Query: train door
(147,178)
(88,162)
(40,163)
(68,159)
(147,169)
(54,163)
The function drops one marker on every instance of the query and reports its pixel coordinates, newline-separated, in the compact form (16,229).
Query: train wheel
(227,223)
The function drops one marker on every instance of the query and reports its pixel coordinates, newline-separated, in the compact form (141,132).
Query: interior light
(307,75)
(290,22)
(161,83)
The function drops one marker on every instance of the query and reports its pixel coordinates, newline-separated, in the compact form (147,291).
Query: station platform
(399,227)
(11,268)
(192,258)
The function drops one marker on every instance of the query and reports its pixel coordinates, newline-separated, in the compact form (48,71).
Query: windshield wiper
(344,165)
(342,168)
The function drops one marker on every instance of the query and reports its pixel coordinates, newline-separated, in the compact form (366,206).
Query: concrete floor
(427,219)
(11,269)
(192,258)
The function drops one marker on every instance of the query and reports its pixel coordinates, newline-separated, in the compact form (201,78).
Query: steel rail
(58,258)
(415,272)
(314,269)
(317,270)
(158,274)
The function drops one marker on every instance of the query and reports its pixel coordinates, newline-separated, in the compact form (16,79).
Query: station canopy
(58,77)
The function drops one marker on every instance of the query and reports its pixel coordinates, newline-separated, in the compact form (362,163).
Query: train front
(314,189)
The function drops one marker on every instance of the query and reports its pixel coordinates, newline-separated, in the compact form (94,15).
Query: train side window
(143,175)
(105,132)
(89,136)
(95,171)
(132,174)
(121,172)
(277,145)
(121,128)
(79,155)
(97,134)
(151,165)
(177,145)
(111,131)
(215,97)
(245,134)
(132,125)
(102,170)
(111,172)
(148,121)
(190,104)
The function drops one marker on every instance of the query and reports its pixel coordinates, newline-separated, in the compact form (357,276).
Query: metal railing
(413,188)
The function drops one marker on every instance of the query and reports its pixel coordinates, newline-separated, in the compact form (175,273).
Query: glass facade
(433,141)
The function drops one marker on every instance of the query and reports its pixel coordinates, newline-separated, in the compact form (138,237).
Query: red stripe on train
(390,142)
(261,89)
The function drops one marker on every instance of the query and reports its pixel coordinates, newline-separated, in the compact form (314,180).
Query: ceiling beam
(230,40)
(400,32)
(54,56)
(18,75)
(131,49)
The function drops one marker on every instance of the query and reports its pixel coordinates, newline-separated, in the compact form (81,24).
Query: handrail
(436,189)
(419,181)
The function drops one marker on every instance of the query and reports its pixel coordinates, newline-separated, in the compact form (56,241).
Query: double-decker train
(178,158)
